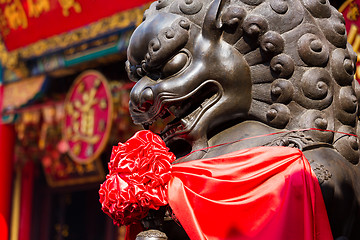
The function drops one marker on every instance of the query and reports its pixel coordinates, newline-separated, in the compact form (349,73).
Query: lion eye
(174,65)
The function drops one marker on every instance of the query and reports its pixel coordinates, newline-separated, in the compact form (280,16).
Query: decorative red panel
(23,22)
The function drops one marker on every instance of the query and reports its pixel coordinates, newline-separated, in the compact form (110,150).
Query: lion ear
(212,27)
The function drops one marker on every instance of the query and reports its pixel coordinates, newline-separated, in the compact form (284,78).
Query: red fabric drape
(258,193)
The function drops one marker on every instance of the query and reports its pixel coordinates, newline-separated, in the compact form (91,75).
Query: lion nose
(146,99)
(142,95)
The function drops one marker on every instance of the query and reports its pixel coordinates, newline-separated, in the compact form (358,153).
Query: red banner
(23,22)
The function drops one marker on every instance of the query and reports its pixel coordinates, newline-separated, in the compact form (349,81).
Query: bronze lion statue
(234,69)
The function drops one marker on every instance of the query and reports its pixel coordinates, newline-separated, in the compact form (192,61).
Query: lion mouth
(182,114)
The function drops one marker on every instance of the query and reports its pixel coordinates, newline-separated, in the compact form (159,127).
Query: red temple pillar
(7,138)
(7,142)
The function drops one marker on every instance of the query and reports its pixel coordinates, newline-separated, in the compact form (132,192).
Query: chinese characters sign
(61,171)
(23,22)
(88,116)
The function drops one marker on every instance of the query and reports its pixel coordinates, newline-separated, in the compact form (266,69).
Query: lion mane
(302,67)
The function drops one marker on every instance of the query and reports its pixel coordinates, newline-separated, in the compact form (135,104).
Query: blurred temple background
(64,99)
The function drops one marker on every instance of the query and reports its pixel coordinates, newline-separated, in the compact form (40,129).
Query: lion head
(214,63)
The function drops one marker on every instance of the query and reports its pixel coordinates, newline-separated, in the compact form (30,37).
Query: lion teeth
(191,116)
(183,122)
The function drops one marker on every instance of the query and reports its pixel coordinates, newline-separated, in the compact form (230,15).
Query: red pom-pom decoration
(139,171)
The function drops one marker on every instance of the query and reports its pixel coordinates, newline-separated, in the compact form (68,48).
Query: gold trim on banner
(8,59)
(118,21)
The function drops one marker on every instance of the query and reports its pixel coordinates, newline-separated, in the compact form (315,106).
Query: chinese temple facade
(64,99)
(64,96)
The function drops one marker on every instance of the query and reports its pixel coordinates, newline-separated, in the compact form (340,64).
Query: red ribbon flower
(139,170)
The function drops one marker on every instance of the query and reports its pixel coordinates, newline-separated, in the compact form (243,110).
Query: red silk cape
(258,193)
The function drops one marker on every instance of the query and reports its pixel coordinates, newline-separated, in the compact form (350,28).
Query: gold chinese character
(15,15)
(79,169)
(353,12)
(84,118)
(68,4)
(3,24)
(103,104)
(87,122)
(37,7)
(76,149)
(90,167)
(5,1)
